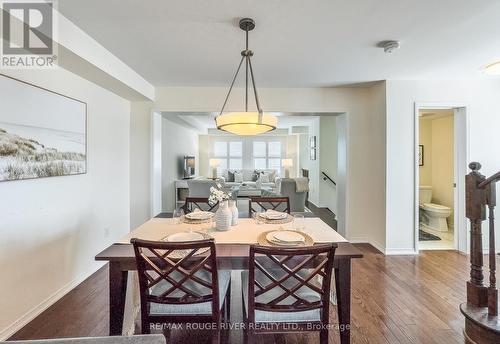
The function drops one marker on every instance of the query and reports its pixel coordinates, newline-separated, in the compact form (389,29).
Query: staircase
(482,323)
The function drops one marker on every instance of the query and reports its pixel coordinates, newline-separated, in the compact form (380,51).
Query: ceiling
(201,121)
(297,43)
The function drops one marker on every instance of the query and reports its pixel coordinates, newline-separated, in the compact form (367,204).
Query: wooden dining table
(232,249)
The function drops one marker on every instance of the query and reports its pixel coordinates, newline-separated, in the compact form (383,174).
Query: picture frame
(420,155)
(312,154)
(50,138)
(312,141)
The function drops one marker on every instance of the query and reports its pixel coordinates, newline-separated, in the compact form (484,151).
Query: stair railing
(326,177)
(481,193)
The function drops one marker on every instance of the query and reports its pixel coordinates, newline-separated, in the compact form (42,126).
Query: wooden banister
(481,309)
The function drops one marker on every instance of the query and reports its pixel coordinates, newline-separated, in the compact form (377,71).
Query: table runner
(246,232)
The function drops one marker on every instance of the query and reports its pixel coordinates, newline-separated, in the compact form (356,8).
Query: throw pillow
(238,177)
(272,176)
(256,175)
(230,176)
(264,178)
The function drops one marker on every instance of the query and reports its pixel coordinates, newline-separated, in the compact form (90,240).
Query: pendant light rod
(231,87)
(246,72)
(254,88)
(247,25)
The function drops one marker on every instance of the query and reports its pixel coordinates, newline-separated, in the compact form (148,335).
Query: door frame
(461,157)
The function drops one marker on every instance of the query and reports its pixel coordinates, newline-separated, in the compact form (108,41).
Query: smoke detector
(389,46)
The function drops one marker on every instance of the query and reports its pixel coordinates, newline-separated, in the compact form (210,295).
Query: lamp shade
(214,162)
(246,123)
(287,163)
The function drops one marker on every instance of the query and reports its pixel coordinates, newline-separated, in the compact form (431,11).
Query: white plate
(285,237)
(184,236)
(275,215)
(199,215)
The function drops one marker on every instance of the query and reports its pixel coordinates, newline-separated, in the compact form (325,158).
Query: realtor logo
(28,34)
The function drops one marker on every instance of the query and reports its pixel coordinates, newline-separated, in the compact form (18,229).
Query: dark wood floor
(396,299)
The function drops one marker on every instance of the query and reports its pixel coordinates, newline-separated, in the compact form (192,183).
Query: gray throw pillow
(255,175)
(230,176)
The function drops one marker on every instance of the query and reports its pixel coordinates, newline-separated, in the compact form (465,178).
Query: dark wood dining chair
(266,203)
(183,290)
(200,203)
(281,291)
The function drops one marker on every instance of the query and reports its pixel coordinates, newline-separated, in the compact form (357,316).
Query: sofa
(250,178)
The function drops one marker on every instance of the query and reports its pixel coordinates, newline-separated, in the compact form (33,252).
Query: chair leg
(323,336)
(216,336)
(145,327)
(228,302)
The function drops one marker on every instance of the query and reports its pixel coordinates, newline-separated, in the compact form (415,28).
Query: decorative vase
(234,212)
(223,217)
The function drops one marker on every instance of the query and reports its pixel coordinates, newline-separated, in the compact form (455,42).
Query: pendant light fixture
(246,123)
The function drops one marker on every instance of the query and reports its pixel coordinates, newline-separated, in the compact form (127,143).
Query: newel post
(475,197)
(491,197)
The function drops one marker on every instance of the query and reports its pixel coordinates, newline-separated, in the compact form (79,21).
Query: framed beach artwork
(42,133)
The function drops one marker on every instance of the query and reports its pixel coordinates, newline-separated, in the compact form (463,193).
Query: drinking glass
(256,216)
(298,222)
(178,215)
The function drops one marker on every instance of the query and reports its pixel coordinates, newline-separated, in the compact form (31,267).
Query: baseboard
(400,252)
(378,246)
(364,240)
(37,310)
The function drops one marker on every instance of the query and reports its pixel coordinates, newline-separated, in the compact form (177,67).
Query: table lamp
(214,163)
(287,164)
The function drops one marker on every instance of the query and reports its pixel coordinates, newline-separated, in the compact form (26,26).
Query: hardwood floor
(396,299)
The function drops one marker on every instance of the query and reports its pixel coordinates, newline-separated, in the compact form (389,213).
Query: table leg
(117,294)
(343,289)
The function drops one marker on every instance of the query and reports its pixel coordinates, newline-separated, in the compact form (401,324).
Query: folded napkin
(199,214)
(273,214)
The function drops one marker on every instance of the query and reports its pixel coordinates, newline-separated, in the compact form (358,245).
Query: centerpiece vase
(234,212)
(223,217)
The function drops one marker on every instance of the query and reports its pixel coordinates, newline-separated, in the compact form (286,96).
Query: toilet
(433,215)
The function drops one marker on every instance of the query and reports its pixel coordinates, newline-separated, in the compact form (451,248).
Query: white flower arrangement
(218,195)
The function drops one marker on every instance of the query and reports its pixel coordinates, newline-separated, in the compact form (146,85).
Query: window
(267,155)
(229,154)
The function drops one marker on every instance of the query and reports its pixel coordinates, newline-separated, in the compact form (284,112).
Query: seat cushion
(204,308)
(281,317)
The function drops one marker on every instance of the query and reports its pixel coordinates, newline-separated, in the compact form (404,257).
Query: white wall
(52,228)
(483,100)
(140,157)
(177,141)
(328,162)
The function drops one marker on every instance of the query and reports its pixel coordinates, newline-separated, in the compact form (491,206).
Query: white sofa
(249,179)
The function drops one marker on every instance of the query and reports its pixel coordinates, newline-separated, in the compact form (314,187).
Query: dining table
(232,249)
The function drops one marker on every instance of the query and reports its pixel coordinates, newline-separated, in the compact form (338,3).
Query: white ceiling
(297,43)
(201,121)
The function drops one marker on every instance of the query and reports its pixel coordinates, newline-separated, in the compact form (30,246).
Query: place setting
(273,217)
(282,236)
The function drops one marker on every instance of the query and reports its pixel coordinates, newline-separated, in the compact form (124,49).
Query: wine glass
(256,216)
(298,222)
(178,215)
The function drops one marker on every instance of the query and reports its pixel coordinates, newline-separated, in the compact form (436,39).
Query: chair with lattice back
(288,289)
(268,203)
(199,203)
(179,282)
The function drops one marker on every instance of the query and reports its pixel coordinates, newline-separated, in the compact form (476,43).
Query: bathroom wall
(437,136)
(425,177)
(442,156)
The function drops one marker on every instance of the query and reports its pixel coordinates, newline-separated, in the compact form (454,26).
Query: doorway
(440,167)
